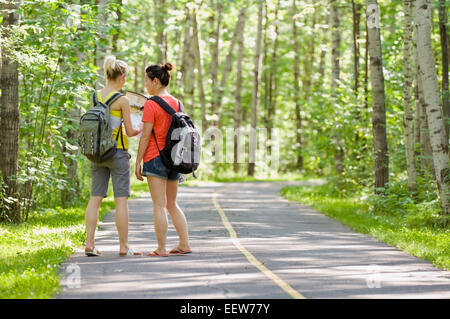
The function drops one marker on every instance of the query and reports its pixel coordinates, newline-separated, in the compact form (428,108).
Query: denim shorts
(118,168)
(155,167)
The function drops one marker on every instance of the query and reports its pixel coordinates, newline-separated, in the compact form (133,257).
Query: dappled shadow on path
(316,255)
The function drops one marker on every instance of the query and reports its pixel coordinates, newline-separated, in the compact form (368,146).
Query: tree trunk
(199,64)
(71,191)
(298,117)
(228,62)
(215,63)
(136,76)
(255,93)
(9,134)
(273,83)
(408,121)
(433,102)
(378,97)
(101,45)
(160,27)
(335,44)
(116,36)
(426,155)
(445,52)
(366,68)
(310,58)
(356,10)
(335,78)
(323,51)
(238,104)
(188,61)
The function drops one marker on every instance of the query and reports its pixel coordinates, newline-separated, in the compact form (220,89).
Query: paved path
(279,249)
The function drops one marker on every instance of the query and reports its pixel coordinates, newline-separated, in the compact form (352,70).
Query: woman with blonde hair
(118,166)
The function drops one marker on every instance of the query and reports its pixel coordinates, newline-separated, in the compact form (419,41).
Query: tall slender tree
(255,93)
(298,116)
(188,62)
(408,121)
(9,134)
(101,45)
(433,102)
(199,66)
(228,61)
(160,13)
(443,31)
(378,97)
(215,61)
(335,80)
(238,99)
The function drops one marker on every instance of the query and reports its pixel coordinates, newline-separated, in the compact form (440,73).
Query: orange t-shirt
(161,120)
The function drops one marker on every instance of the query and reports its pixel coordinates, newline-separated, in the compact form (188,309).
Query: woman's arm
(143,143)
(126,115)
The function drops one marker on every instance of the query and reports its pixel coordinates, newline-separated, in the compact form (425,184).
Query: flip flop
(130,252)
(177,251)
(155,254)
(92,253)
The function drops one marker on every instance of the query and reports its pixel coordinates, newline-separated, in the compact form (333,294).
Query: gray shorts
(118,167)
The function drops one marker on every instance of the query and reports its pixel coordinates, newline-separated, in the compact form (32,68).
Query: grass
(411,227)
(31,252)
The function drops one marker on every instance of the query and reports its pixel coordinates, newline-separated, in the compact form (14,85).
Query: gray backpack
(95,133)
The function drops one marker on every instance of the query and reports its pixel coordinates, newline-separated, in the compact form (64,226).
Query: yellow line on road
(252,259)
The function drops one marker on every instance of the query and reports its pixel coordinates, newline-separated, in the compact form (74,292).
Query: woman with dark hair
(163,183)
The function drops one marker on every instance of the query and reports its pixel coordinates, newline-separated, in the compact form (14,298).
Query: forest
(355,92)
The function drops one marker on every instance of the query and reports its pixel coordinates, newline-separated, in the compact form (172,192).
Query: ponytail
(114,68)
(161,72)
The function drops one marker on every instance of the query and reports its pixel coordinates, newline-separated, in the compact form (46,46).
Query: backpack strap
(114,97)
(160,101)
(94,98)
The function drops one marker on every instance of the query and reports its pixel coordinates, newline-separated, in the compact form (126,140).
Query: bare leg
(158,192)
(91,217)
(122,220)
(177,215)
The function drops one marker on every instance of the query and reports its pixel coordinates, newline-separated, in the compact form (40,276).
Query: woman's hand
(138,129)
(138,172)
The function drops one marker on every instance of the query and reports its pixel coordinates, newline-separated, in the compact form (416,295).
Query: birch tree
(238,99)
(433,102)
(215,61)
(335,79)
(298,116)
(443,31)
(408,122)
(228,61)
(188,61)
(101,46)
(255,93)
(378,97)
(160,14)
(199,66)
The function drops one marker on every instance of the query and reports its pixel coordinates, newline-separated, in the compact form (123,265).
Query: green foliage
(31,253)
(55,45)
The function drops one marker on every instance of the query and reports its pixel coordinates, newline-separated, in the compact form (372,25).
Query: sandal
(156,254)
(94,252)
(178,251)
(130,252)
